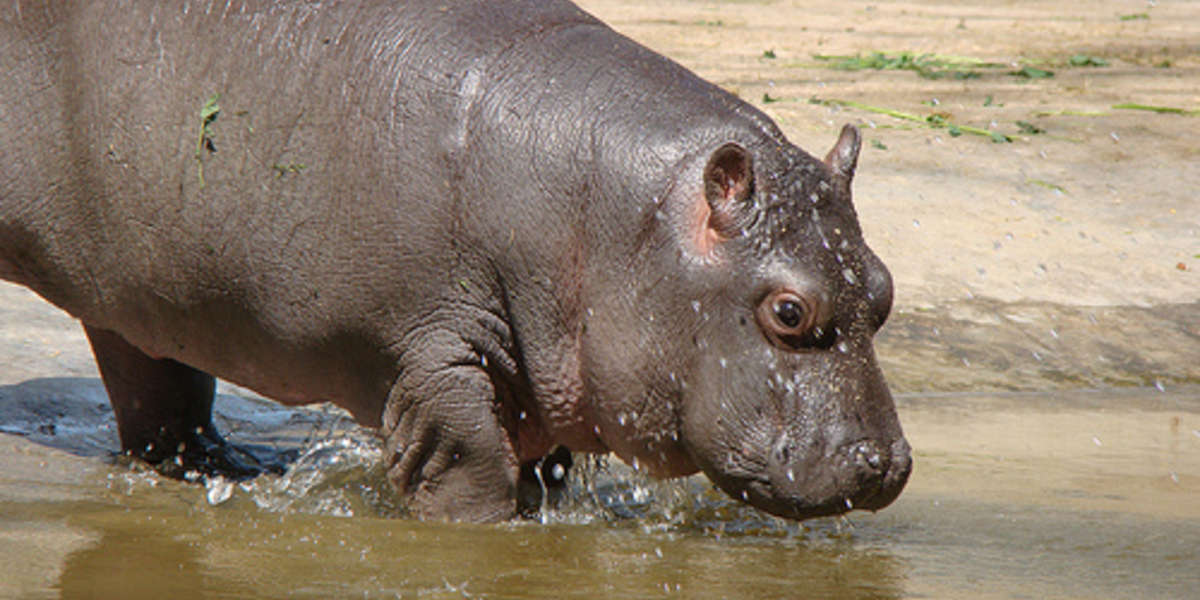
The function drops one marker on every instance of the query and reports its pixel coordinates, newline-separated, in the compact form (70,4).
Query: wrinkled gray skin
(485,227)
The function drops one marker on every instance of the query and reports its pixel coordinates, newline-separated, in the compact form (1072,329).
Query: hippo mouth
(857,477)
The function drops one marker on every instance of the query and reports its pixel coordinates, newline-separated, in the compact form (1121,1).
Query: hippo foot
(543,482)
(207,453)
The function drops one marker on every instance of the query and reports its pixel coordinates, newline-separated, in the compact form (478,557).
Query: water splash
(602,489)
(341,476)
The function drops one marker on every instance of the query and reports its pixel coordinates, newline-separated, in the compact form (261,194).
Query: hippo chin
(488,228)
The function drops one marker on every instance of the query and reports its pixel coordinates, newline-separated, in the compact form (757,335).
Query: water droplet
(849,276)
(791,475)
(814,198)
(1096,441)
(1053,334)
(1159,385)
(916,223)
(658,553)
(696,305)
(724,363)
(843,347)
(849,504)
(218,489)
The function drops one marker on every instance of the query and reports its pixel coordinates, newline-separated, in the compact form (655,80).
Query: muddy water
(1070,494)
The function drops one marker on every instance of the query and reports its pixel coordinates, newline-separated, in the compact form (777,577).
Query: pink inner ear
(704,233)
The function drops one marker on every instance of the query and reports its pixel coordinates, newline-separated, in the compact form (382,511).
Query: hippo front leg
(447,451)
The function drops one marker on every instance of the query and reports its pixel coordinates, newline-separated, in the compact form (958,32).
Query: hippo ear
(728,183)
(844,156)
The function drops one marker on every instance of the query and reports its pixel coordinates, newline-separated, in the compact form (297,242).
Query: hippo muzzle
(864,474)
(802,480)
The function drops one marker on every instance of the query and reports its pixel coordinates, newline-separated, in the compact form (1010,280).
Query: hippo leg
(164,411)
(543,481)
(447,451)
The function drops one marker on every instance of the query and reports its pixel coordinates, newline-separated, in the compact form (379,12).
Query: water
(1038,495)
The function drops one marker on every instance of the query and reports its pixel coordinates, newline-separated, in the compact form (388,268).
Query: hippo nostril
(867,454)
(782,450)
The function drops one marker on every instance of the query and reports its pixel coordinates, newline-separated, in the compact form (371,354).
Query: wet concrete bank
(989,345)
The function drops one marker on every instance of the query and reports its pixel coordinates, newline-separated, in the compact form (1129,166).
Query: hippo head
(756,300)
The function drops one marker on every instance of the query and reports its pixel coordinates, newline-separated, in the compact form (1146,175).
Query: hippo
(489,229)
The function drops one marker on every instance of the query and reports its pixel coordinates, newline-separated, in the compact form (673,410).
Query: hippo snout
(863,474)
(891,464)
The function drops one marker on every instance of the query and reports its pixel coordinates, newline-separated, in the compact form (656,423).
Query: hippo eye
(791,314)
(787,318)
